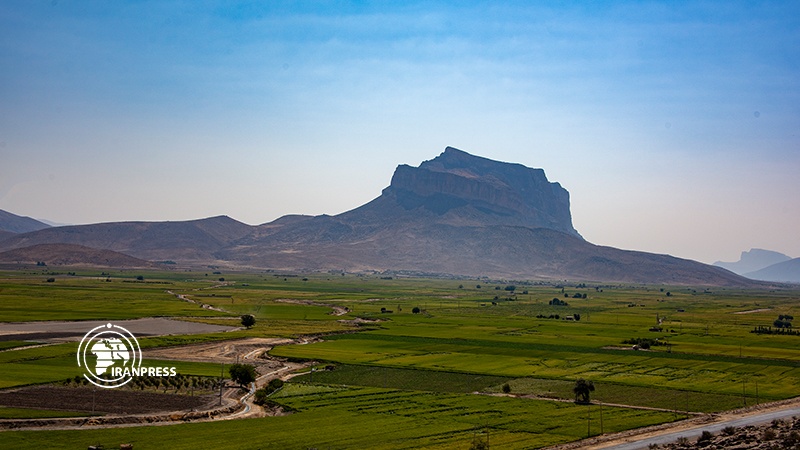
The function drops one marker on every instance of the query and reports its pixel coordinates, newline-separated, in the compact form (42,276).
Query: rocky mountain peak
(457,185)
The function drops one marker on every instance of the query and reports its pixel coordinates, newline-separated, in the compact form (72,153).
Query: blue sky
(674,125)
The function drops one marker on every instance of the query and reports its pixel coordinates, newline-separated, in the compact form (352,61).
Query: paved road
(694,432)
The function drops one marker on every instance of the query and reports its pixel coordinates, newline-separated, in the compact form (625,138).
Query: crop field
(422,363)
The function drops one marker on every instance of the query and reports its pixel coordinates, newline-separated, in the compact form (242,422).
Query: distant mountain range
(765,265)
(70,255)
(12,223)
(753,260)
(456,214)
(785,272)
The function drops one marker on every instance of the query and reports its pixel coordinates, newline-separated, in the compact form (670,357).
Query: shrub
(242,374)
(506,388)
(248,320)
(705,436)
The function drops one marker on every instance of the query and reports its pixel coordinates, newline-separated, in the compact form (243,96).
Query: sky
(673,125)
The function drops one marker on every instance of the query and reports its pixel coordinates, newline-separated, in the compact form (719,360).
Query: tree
(479,443)
(506,388)
(248,320)
(242,374)
(582,390)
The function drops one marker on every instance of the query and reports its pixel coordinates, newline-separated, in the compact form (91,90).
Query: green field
(369,418)
(432,378)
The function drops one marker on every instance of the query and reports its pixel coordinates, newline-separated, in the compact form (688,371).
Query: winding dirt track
(691,428)
(232,405)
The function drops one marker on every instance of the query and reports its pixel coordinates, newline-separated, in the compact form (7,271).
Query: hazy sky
(674,125)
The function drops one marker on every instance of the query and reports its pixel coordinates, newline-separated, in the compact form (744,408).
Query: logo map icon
(109,356)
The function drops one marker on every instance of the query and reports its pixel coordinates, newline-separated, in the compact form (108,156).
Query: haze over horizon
(672,125)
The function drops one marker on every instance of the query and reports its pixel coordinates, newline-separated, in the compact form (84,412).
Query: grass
(406,380)
(26,413)
(367,418)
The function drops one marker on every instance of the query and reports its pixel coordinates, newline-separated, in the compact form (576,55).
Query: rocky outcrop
(457,185)
(779,434)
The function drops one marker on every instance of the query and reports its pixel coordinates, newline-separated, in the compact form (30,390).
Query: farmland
(422,362)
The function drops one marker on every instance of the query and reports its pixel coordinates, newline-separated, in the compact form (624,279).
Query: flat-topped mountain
(462,189)
(455,214)
(753,260)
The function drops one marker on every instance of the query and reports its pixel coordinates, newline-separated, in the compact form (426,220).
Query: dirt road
(691,429)
(234,404)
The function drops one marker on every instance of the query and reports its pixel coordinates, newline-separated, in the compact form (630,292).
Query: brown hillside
(71,255)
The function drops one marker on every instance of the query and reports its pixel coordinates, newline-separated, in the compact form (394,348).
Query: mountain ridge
(782,272)
(13,223)
(456,214)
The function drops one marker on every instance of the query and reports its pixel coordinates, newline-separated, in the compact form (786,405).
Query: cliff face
(456,185)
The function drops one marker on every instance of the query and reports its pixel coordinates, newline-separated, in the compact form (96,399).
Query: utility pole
(601,418)
(756,391)
(687,404)
(744,398)
(221,381)
(588,420)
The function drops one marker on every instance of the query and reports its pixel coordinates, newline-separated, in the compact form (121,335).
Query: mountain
(786,271)
(194,240)
(455,214)
(19,224)
(755,259)
(70,255)
(462,214)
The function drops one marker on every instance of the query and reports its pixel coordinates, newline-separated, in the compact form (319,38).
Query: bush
(705,436)
(242,374)
(248,320)
(415,310)
(506,388)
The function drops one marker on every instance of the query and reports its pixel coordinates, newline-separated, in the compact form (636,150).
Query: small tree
(506,389)
(248,320)
(415,310)
(242,374)
(479,443)
(582,390)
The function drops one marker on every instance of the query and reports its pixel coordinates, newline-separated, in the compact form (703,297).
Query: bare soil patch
(220,352)
(56,331)
(108,401)
(753,311)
